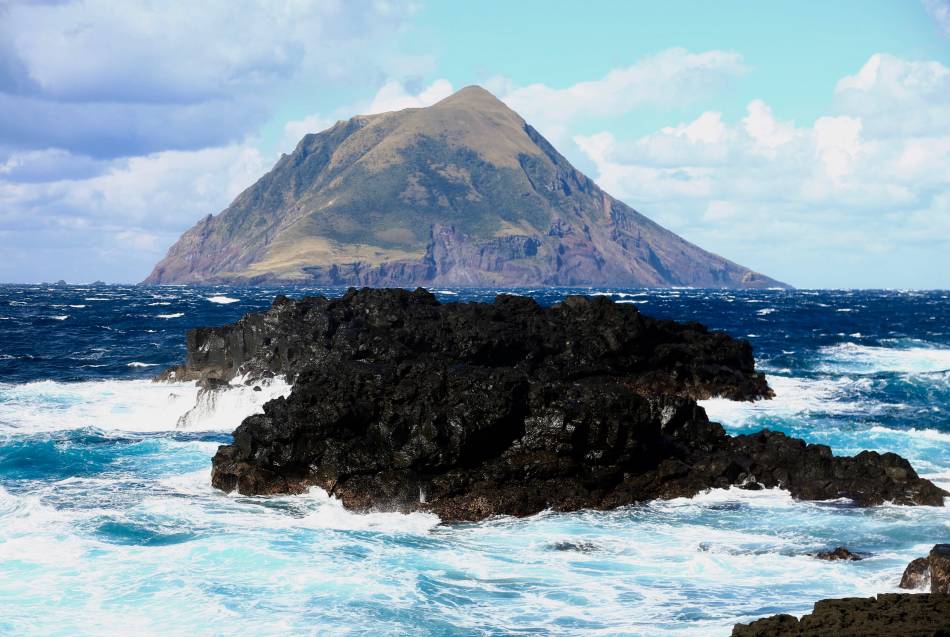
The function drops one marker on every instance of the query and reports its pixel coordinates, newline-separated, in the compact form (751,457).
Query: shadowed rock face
(931,572)
(893,615)
(464,192)
(471,410)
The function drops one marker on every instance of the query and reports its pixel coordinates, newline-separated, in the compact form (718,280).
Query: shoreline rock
(932,571)
(471,410)
(892,614)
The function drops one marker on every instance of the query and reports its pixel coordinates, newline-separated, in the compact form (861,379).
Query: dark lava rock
(578,547)
(917,574)
(839,553)
(932,571)
(940,568)
(478,409)
(897,615)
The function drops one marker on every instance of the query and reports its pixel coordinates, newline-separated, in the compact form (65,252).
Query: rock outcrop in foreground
(476,409)
(888,615)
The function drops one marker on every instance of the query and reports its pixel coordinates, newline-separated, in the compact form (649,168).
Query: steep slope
(463,192)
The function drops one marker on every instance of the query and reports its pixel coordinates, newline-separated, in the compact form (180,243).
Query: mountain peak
(463,192)
(472,94)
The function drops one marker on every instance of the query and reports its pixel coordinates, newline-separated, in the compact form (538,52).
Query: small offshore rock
(580,547)
(839,553)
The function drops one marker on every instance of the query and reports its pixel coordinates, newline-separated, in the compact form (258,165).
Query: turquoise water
(108,524)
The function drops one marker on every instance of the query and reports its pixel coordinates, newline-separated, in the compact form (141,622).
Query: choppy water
(108,525)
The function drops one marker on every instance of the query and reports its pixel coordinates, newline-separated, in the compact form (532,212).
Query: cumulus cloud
(672,77)
(121,220)
(115,79)
(853,191)
(124,123)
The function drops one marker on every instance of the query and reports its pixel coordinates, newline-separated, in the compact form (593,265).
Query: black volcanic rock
(932,571)
(476,409)
(888,615)
(917,574)
(838,554)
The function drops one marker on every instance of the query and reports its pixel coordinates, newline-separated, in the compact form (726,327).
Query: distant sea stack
(463,193)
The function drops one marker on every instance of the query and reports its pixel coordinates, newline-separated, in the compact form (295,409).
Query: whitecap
(869,359)
(78,307)
(60,317)
(224,300)
(126,405)
(766,311)
(139,364)
(170,316)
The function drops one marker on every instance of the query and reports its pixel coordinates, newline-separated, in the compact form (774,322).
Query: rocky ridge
(471,410)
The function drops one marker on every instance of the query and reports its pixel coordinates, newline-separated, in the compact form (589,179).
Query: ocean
(109,525)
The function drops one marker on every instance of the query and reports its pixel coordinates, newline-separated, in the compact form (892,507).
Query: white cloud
(939,10)
(295,130)
(180,76)
(123,219)
(672,77)
(761,126)
(393,96)
(857,198)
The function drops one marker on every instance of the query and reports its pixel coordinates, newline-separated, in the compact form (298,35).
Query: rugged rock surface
(461,193)
(917,575)
(932,571)
(471,410)
(888,615)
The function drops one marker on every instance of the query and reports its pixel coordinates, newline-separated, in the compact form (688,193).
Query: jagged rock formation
(461,193)
(476,409)
(888,615)
(931,572)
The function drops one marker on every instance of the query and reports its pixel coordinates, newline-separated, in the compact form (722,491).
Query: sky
(807,141)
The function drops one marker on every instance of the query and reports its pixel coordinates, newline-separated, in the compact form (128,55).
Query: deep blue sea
(109,526)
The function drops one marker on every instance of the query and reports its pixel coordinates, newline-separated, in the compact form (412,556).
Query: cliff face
(461,193)
(477,409)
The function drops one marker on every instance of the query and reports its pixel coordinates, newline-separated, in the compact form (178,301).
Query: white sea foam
(868,359)
(140,364)
(765,311)
(127,405)
(231,405)
(170,316)
(60,317)
(224,300)
(793,397)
